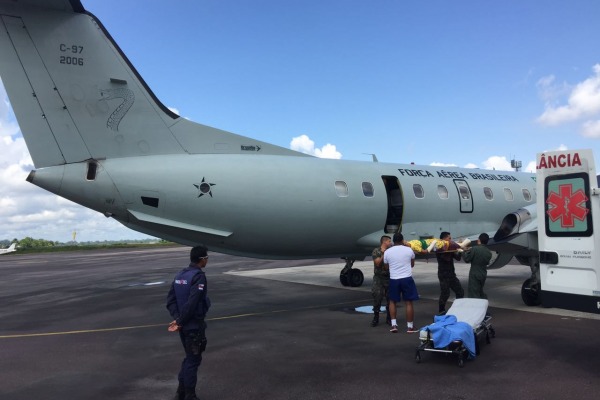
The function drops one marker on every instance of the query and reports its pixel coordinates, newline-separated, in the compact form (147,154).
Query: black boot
(375,321)
(180,394)
(190,394)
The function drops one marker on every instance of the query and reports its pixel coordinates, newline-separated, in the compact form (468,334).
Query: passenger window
(341,189)
(418,190)
(508,195)
(442,192)
(526,195)
(489,195)
(367,189)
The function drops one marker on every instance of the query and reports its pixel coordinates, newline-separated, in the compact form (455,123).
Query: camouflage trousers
(379,291)
(447,282)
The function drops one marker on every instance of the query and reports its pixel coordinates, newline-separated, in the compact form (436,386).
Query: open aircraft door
(568,239)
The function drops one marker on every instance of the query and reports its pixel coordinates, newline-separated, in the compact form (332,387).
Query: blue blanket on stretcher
(446,329)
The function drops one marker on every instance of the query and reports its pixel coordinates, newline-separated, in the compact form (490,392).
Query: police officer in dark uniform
(188,303)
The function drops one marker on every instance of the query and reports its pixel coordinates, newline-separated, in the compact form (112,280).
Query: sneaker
(414,329)
(394,329)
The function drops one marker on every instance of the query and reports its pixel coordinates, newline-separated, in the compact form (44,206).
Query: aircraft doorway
(465,197)
(395,203)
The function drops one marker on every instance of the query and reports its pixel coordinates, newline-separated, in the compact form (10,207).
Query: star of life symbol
(204,188)
(567,205)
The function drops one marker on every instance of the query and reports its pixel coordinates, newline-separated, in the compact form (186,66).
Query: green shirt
(479,256)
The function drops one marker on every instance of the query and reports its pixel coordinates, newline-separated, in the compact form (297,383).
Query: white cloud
(305,145)
(591,129)
(176,111)
(440,164)
(497,162)
(471,165)
(530,167)
(583,100)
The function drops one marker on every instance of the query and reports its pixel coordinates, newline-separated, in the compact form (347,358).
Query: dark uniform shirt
(188,300)
(446,260)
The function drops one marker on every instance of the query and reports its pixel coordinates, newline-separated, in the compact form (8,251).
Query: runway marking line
(124,328)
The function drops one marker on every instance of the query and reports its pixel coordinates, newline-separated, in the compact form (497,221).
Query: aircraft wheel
(356,277)
(531,294)
(344,278)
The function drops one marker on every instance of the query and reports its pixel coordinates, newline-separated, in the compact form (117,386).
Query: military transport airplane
(99,136)
(12,248)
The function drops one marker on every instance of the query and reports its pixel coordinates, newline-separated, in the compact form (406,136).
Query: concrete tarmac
(93,325)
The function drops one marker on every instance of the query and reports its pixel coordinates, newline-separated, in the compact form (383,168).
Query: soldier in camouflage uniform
(381,279)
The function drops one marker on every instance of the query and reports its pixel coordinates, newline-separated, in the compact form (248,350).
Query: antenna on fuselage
(372,155)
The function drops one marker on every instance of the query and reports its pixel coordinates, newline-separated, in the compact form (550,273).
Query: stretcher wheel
(418,357)
(492,332)
(461,361)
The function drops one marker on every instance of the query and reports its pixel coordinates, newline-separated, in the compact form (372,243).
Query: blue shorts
(403,289)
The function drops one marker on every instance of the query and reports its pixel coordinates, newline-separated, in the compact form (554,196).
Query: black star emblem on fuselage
(204,188)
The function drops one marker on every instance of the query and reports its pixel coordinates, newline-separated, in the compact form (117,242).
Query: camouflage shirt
(378,269)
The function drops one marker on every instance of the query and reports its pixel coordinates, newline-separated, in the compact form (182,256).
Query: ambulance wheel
(418,357)
(531,294)
(356,277)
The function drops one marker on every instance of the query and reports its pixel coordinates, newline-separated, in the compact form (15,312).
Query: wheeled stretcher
(458,331)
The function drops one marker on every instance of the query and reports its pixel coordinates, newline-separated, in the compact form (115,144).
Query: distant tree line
(31,243)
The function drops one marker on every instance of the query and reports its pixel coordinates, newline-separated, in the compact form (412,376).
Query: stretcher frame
(457,347)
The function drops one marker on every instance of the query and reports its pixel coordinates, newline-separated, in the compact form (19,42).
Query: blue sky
(465,83)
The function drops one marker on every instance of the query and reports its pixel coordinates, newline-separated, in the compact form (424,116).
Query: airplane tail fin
(77,97)
(13,247)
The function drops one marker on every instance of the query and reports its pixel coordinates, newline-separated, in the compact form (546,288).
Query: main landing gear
(531,289)
(351,276)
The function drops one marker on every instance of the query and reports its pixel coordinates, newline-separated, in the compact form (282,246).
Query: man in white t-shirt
(400,260)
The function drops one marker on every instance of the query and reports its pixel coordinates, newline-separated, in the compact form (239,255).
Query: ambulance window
(341,189)
(508,195)
(526,195)
(442,192)
(367,189)
(489,195)
(418,190)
